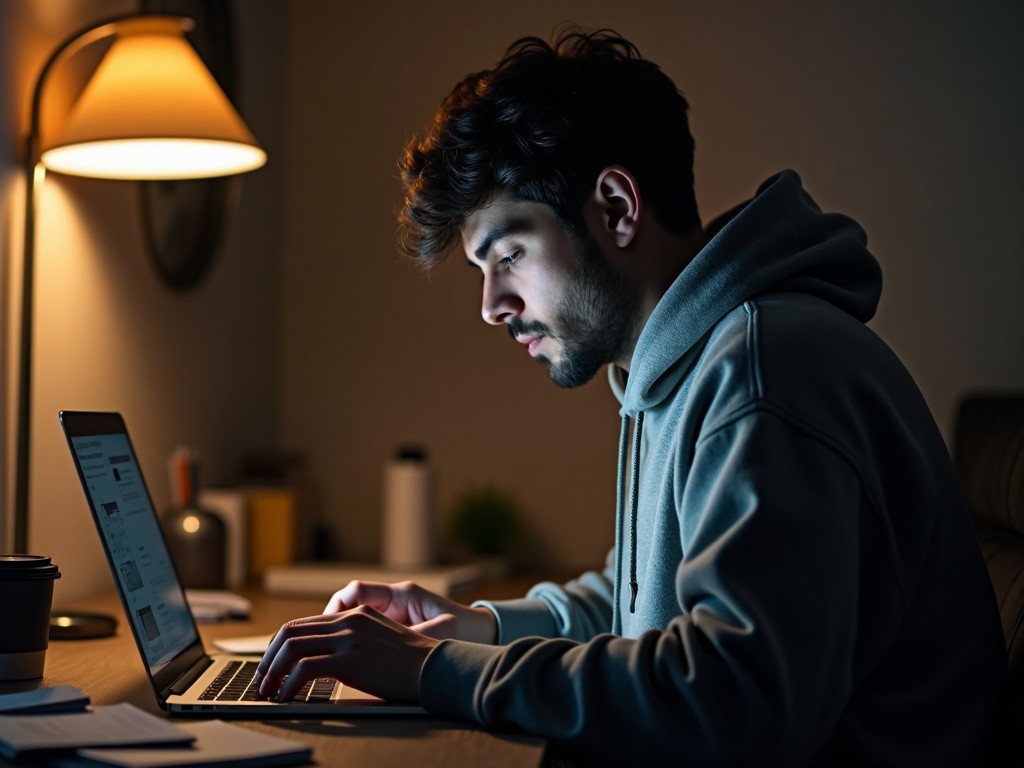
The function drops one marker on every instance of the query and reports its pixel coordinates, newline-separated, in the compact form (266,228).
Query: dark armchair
(989,455)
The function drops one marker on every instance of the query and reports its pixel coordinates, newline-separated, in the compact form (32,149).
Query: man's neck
(676,255)
(671,254)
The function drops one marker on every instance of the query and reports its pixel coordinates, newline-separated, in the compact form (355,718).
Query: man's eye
(509,261)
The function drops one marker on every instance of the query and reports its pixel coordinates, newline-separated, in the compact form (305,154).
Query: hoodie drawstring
(634,494)
(620,516)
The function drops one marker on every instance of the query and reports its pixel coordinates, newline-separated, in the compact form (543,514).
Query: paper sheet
(217,743)
(253,644)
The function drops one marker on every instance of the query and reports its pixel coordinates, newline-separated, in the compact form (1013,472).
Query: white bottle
(408,511)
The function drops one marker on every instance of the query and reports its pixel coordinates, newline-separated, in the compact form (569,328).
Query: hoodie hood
(778,241)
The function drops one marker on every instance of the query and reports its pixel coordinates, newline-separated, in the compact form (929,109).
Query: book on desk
(323,579)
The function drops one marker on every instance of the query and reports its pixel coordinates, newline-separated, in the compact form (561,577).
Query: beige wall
(907,115)
(198,368)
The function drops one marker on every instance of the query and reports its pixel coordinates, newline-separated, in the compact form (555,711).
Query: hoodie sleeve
(577,610)
(771,544)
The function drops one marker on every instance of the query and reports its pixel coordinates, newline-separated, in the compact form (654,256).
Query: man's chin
(568,376)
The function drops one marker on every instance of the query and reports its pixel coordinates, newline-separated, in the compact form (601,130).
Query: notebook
(184,677)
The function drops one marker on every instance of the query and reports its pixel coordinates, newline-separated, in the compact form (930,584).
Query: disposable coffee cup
(26,594)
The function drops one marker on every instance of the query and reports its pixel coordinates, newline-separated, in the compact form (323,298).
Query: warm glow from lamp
(152,110)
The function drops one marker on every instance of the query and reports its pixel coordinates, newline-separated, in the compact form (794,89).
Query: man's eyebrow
(511,228)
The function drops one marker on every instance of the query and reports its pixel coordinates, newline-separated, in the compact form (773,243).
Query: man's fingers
(404,602)
(357,593)
(298,660)
(309,626)
(304,670)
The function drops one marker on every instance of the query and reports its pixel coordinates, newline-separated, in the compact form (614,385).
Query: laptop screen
(153,597)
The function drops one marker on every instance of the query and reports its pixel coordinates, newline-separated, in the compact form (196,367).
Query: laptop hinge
(182,684)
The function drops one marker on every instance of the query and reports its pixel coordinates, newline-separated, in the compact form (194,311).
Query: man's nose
(500,304)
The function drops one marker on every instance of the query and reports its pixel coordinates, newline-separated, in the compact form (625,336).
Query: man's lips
(531,342)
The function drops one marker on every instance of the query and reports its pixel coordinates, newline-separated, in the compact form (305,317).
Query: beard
(596,319)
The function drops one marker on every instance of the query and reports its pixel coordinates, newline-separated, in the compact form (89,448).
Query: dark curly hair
(540,126)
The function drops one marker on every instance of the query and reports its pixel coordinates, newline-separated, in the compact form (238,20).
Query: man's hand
(423,611)
(362,648)
(372,636)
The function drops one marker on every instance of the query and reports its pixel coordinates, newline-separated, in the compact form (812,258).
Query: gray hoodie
(795,579)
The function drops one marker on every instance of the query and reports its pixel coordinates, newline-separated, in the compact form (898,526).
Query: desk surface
(110,670)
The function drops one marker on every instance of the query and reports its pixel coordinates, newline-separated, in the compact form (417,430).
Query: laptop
(185,679)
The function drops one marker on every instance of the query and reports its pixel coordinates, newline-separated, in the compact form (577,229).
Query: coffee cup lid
(23,567)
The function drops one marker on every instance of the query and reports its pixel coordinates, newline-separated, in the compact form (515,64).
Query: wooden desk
(110,670)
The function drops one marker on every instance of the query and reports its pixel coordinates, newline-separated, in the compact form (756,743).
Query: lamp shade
(152,110)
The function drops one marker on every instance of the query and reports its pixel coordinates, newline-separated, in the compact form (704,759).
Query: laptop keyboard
(234,683)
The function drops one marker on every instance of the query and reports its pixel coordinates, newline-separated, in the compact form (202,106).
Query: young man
(794,578)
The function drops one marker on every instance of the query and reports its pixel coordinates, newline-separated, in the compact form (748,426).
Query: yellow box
(274,528)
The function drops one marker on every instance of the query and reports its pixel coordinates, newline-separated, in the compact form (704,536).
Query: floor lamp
(151,110)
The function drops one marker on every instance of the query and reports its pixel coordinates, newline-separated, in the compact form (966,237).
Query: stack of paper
(57,724)
(62,698)
(111,726)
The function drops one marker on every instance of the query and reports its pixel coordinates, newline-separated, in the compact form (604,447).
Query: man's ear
(618,197)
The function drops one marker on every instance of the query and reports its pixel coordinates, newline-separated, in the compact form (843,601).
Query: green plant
(487,521)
